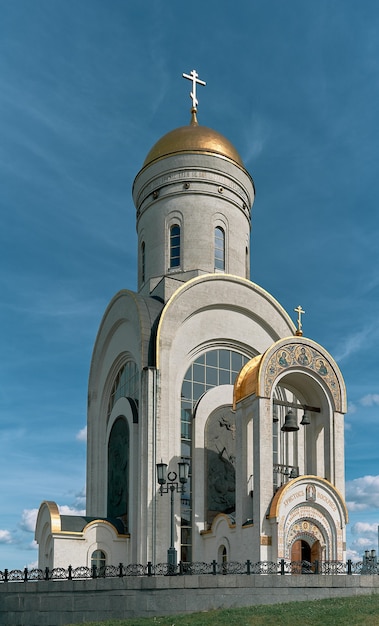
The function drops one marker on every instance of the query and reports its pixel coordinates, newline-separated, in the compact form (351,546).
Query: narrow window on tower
(219,249)
(143,260)
(175,246)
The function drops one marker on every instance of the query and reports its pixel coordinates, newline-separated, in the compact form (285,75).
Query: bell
(306,419)
(290,423)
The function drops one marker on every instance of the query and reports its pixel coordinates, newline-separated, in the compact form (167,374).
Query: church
(215,428)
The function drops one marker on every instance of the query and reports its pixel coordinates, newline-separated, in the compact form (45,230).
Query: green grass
(357,611)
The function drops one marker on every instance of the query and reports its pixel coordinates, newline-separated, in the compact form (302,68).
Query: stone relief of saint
(221,481)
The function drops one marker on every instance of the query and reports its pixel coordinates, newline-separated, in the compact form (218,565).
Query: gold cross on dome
(194,77)
(299,312)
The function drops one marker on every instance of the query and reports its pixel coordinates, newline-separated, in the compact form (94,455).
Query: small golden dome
(193,138)
(246,382)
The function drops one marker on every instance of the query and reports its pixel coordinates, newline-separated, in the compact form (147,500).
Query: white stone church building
(203,366)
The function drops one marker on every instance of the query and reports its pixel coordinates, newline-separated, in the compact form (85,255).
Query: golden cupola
(193,138)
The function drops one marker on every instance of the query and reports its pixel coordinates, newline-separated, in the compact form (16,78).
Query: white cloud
(364,527)
(366,539)
(370,400)
(28,520)
(363,493)
(352,344)
(82,434)
(354,555)
(5,536)
(64,509)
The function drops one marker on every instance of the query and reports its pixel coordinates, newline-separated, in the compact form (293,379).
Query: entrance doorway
(300,556)
(301,551)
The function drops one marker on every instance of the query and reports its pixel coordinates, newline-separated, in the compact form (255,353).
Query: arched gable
(48,521)
(213,306)
(288,355)
(310,508)
(126,326)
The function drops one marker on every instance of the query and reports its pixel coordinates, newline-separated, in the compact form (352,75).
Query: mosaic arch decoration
(298,353)
(308,522)
(305,529)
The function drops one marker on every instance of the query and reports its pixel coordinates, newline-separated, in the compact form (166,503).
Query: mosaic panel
(297,354)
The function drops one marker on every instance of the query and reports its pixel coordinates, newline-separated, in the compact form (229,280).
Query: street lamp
(168,482)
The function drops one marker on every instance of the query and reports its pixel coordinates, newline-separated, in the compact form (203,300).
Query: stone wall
(55,603)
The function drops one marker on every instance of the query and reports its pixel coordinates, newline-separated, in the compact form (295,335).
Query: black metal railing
(282,567)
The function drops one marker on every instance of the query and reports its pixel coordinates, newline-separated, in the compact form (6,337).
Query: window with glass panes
(211,369)
(98,560)
(126,384)
(219,248)
(175,246)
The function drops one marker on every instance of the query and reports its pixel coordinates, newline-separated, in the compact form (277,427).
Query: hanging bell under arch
(290,422)
(305,419)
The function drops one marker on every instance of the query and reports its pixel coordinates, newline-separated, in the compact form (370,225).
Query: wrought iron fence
(282,567)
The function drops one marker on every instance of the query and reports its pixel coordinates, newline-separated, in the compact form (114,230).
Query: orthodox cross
(299,312)
(194,77)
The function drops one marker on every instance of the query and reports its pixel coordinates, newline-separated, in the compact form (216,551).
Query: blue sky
(87,87)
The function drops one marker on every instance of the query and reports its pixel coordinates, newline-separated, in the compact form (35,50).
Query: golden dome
(246,382)
(193,138)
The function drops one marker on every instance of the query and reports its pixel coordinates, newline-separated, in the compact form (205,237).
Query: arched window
(219,249)
(143,261)
(118,471)
(98,559)
(126,385)
(211,369)
(175,246)
(222,556)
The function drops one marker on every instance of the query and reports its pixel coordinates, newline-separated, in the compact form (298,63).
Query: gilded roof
(246,382)
(193,138)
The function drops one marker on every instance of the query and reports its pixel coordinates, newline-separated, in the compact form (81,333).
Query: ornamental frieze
(295,355)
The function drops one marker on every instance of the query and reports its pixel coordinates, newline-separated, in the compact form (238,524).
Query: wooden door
(296,557)
(296,551)
(316,552)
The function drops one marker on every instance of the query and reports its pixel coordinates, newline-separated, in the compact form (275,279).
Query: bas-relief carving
(310,493)
(118,470)
(266,540)
(306,356)
(221,457)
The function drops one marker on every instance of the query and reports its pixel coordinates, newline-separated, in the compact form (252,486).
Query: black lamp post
(168,482)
